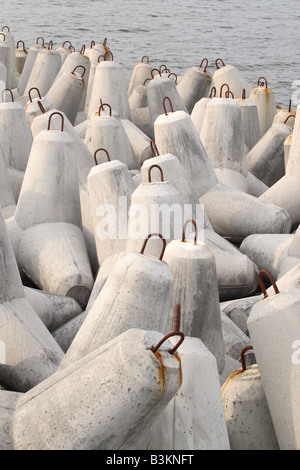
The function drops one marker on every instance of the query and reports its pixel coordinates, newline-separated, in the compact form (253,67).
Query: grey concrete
(31,57)
(232,76)
(192,86)
(264,99)
(44,71)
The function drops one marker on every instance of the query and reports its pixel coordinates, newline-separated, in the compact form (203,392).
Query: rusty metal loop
(103,150)
(106,54)
(291,115)
(66,42)
(92,43)
(11,94)
(164,105)
(145,57)
(246,348)
(104,42)
(50,45)
(244,94)
(170,74)
(213,91)
(221,89)
(162,69)
(71,48)
(82,66)
(149,172)
(29,93)
(154,148)
(290,106)
(100,58)
(2,34)
(62,120)
(155,70)
(155,235)
(177,318)
(147,81)
(196,230)
(227,93)
(262,286)
(217,60)
(22,43)
(101,107)
(262,84)
(41,107)
(8,30)
(40,37)
(171,351)
(205,59)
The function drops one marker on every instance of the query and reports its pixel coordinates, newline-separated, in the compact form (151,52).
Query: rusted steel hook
(154,148)
(29,93)
(291,115)
(145,82)
(221,89)
(145,57)
(172,350)
(149,172)
(62,120)
(82,66)
(41,107)
(217,60)
(155,235)
(227,93)
(37,41)
(155,70)
(101,107)
(196,230)
(164,104)
(246,348)
(2,34)
(82,50)
(205,59)
(262,286)
(262,84)
(23,45)
(103,150)
(107,53)
(173,74)
(213,92)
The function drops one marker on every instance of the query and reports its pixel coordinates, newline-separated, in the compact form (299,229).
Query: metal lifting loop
(103,150)
(104,42)
(291,115)
(164,105)
(37,41)
(290,106)
(82,66)
(145,57)
(170,74)
(2,34)
(92,43)
(217,60)
(155,70)
(196,230)
(246,348)
(29,93)
(155,235)
(162,68)
(22,43)
(171,351)
(50,45)
(262,84)
(62,120)
(154,149)
(244,94)
(221,89)
(41,107)
(11,94)
(66,43)
(100,56)
(8,30)
(101,107)
(147,81)
(150,169)
(213,92)
(227,93)
(205,59)
(71,48)
(82,50)
(262,286)
(106,54)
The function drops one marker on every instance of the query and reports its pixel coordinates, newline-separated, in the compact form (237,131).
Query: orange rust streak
(161,371)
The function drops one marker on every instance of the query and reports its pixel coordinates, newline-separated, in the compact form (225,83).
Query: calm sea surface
(261,38)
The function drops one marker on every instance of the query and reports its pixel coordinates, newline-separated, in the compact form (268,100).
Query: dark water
(259,37)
